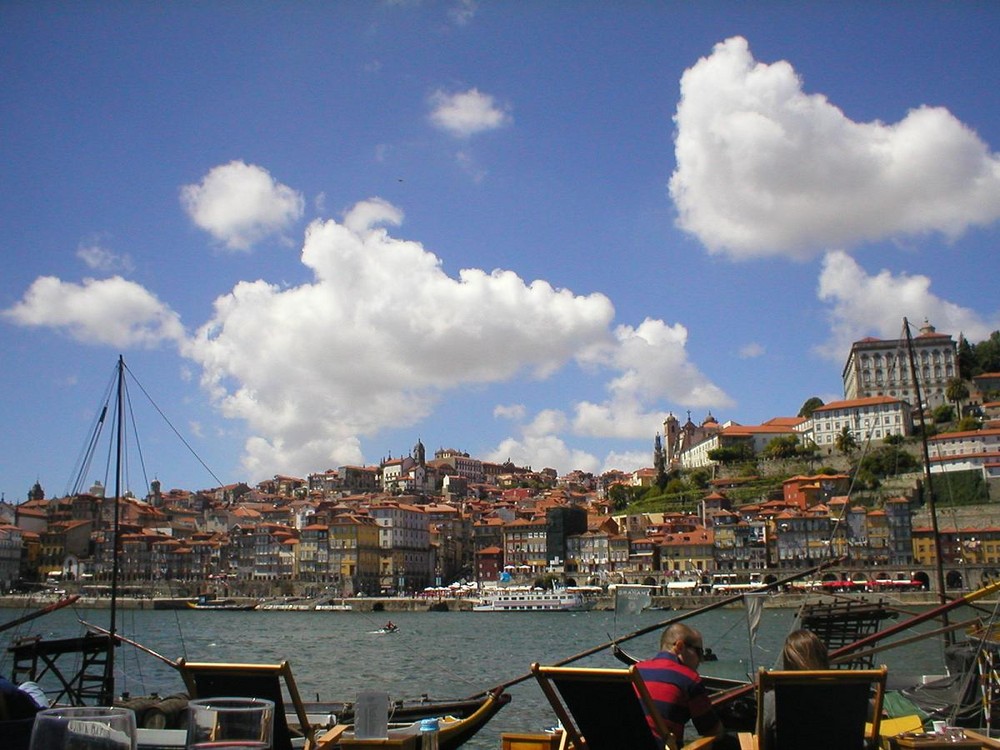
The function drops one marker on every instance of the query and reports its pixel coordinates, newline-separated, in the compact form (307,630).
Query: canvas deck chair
(820,709)
(605,709)
(267,681)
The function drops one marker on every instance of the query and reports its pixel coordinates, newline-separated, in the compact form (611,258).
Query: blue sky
(320,231)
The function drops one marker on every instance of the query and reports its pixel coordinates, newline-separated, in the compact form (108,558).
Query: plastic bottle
(429,734)
(371,715)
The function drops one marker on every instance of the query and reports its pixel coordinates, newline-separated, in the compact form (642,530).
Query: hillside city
(844,479)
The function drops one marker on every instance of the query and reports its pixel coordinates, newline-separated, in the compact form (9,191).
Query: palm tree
(846,442)
(957,392)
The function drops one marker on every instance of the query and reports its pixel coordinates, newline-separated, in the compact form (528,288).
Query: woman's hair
(804,650)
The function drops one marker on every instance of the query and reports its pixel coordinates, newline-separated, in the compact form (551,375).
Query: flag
(754,604)
(631,599)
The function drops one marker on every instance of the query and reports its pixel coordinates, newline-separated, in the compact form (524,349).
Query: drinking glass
(231,723)
(84,728)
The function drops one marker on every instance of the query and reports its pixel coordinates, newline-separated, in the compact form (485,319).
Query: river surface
(334,655)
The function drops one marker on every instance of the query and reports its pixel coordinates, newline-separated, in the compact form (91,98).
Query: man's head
(683,642)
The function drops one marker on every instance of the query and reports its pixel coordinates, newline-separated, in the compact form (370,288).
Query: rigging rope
(173,429)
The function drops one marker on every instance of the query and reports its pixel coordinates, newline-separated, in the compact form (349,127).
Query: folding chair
(606,709)
(216,680)
(821,709)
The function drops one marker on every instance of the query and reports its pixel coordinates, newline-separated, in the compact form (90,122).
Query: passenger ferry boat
(522,599)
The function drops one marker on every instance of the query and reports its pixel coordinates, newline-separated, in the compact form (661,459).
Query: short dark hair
(677,632)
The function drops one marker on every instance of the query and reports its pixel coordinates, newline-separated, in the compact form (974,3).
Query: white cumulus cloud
(765,169)
(375,339)
(240,204)
(653,366)
(628,460)
(875,305)
(467,113)
(111,311)
(543,451)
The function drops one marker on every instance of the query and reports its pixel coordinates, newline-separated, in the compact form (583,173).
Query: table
(407,742)
(923,741)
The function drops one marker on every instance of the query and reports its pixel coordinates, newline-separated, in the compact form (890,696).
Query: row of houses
(383,544)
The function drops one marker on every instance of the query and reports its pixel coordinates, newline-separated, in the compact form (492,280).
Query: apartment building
(977,450)
(870,418)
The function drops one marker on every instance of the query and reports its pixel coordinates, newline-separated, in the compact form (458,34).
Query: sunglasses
(697,649)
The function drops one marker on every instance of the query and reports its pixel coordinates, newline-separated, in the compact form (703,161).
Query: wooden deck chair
(821,709)
(606,709)
(216,680)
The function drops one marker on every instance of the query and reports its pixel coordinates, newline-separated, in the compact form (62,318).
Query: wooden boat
(225,605)
(461,719)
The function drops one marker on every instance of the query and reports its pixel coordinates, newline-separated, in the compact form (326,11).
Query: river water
(334,655)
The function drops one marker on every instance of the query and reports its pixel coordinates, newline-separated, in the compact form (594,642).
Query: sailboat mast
(119,438)
(939,567)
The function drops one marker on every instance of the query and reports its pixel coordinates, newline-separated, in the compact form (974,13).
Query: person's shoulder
(660,658)
(35,692)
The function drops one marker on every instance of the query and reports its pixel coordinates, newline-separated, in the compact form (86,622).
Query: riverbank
(787,600)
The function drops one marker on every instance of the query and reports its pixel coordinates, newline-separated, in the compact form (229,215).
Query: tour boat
(532,600)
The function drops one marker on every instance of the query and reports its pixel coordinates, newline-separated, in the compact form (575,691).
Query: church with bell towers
(678,437)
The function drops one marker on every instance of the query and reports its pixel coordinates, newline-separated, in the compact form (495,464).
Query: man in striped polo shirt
(676,688)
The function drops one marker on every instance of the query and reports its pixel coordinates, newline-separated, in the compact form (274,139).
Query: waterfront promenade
(789,600)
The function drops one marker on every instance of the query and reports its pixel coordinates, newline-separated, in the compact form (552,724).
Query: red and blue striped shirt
(679,694)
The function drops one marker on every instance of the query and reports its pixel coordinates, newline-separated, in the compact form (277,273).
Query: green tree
(660,463)
(986,356)
(845,441)
(619,496)
(785,446)
(676,486)
(731,454)
(811,405)
(968,424)
(699,477)
(957,391)
(966,354)
(943,413)
(887,461)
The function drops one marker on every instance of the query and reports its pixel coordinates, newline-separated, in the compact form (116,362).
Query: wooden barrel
(174,707)
(147,711)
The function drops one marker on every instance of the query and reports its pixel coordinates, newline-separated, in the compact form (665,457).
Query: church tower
(671,437)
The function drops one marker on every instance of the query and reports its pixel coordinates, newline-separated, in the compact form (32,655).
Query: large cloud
(375,339)
(240,204)
(112,312)
(864,305)
(766,169)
